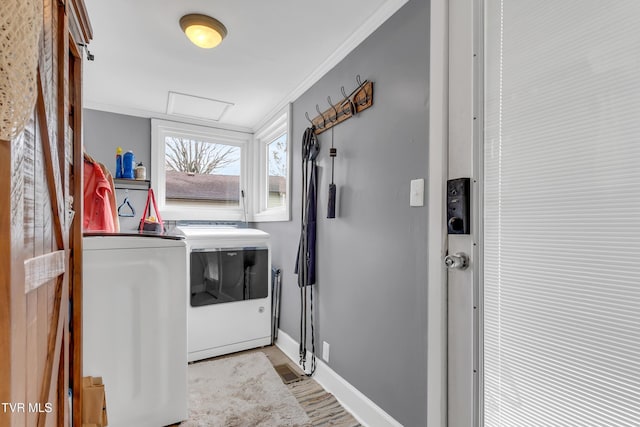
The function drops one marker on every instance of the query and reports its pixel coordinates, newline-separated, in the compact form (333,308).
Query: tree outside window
(202,171)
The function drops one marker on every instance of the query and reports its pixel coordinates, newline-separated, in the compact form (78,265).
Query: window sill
(281,215)
(175,213)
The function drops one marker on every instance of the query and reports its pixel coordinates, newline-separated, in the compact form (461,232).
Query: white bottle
(140,172)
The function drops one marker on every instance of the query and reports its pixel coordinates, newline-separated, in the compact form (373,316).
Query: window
(199,172)
(203,173)
(271,200)
(277,172)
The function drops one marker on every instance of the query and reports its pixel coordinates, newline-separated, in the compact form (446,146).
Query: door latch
(457,261)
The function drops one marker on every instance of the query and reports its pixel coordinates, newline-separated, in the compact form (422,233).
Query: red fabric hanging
(98,211)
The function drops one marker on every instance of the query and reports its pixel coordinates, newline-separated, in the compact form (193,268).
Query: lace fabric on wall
(20,27)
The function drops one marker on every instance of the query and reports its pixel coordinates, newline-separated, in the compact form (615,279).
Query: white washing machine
(229,290)
(134,326)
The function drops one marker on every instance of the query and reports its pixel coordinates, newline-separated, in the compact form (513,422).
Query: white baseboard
(360,406)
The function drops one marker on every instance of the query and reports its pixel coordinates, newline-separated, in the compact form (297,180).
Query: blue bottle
(128,165)
(119,162)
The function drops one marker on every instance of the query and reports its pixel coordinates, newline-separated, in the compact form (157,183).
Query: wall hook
(335,115)
(324,123)
(361,85)
(347,106)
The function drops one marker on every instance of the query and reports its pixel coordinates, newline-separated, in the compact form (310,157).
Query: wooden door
(40,237)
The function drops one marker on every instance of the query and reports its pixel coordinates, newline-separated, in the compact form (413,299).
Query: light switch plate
(325,351)
(417,192)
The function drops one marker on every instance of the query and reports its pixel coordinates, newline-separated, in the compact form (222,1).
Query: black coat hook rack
(358,100)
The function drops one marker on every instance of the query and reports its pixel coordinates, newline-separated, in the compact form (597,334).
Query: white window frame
(279,125)
(160,129)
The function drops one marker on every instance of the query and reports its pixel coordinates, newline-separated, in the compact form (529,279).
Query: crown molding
(358,36)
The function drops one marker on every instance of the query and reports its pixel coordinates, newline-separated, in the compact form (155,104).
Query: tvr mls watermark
(30,407)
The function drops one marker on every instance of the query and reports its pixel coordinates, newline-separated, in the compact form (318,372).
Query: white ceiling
(274,51)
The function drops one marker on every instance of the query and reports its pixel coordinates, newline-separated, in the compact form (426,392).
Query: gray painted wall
(103,134)
(372,275)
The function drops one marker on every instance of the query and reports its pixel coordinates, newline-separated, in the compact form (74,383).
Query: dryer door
(221,276)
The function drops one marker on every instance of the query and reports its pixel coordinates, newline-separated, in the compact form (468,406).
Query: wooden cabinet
(40,237)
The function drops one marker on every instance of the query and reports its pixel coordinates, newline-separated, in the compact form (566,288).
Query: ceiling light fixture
(203,31)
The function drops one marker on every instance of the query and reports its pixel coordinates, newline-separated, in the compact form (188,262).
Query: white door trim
(464,133)
(437,236)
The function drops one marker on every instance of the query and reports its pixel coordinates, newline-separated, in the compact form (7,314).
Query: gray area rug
(242,390)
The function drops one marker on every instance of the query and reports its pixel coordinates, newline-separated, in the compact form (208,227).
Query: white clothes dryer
(229,290)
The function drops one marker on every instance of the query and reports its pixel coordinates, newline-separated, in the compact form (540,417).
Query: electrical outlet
(325,351)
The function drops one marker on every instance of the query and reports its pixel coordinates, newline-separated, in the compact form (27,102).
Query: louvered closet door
(561,279)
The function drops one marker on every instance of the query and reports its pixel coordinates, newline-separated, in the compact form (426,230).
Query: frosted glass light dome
(203,31)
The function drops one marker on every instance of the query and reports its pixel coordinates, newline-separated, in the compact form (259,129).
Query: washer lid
(115,241)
